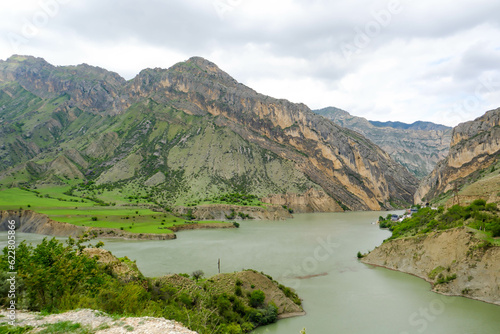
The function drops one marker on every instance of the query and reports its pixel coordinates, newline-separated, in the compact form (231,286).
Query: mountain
(418,146)
(472,165)
(418,125)
(178,136)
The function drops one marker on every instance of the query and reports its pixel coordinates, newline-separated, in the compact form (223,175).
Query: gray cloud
(415,60)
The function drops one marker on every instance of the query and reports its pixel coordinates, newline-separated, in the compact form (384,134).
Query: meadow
(134,218)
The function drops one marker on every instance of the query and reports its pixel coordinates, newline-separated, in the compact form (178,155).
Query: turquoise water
(316,255)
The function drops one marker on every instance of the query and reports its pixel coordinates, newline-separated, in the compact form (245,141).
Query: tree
(257,298)
(197,274)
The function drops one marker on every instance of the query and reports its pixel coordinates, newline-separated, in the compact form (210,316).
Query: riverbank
(455,262)
(229,211)
(28,221)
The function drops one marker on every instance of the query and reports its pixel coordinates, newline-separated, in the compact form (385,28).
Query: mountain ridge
(195,124)
(471,165)
(417,149)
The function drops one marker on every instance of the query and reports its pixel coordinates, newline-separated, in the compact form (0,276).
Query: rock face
(474,152)
(311,201)
(32,222)
(442,256)
(222,211)
(99,322)
(418,146)
(184,134)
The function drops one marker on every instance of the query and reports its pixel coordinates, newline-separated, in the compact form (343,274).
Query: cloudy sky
(404,60)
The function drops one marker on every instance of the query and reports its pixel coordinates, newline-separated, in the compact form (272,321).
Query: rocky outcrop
(31,222)
(89,88)
(311,201)
(201,226)
(475,147)
(454,261)
(97,322)
(418,146)
(231,212)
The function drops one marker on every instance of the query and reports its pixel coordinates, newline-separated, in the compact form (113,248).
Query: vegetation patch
(54,277)
(479,215)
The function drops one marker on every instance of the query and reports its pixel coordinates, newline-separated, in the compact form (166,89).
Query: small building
(394,218)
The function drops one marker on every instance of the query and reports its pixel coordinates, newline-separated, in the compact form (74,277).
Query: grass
(134,219)
(486,236)
(57,328)
(14,198)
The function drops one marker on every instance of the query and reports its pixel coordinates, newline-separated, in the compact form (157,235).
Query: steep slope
(471,164)
(181,135)
(454,261)
(418,146)
(348,167)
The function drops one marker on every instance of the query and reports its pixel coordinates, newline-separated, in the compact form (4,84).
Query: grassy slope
(135,219)
(485,185)
(483,219)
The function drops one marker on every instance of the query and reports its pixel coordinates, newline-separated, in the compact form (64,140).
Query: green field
(134,219)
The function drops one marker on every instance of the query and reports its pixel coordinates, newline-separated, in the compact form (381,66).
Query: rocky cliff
(222,211)
(418,146)
(454,261)
(182,134)
(311,201)
(471,165)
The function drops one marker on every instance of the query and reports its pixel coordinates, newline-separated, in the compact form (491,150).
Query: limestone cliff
(418,146)
(348,167)
(474,152)
(222,211)
(311,201)
(454,261)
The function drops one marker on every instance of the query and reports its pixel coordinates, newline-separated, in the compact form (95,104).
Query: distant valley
(418,146)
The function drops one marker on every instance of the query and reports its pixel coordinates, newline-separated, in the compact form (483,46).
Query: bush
(257,298)
(197,274)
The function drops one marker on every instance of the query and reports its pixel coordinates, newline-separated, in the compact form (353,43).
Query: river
(316,255)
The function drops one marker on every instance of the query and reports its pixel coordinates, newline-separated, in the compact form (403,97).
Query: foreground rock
(454,261)
(99,322)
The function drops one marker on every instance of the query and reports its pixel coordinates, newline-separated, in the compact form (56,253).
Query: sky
(398,60)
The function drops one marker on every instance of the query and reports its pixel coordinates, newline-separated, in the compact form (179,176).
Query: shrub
(257,298)
(197,274)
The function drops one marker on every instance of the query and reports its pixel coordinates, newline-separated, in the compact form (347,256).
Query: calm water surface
(316,255)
